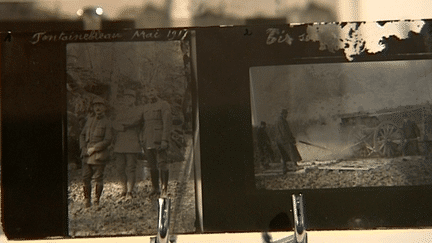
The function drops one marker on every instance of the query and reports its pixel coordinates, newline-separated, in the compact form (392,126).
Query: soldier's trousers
(126,165)
(411,148)
(266,155)
(157,159)
(158,169)
(93,173)
(289,152)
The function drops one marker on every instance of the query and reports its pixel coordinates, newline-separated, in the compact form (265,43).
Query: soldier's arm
(135,120)
(118,126)
(280,136)
(102,145)
(141,126)
(167,122)
(417,130)
(83,139)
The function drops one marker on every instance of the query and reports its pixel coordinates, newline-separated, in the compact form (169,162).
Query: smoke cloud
(318,95)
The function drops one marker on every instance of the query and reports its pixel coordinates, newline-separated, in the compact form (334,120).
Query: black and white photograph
(342,125)
(129,137)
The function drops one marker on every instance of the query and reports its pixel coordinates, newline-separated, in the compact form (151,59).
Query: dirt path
(116,216)
(401,171)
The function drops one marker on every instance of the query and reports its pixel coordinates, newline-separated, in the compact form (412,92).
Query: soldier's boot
(98,193)
(87,195)
(130,187)
(163,182)
(124,189)
(154,174)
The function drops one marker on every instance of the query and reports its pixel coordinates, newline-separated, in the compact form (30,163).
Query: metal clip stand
(300,235)
(164,208)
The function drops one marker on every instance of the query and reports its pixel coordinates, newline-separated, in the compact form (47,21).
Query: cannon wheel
(387,139)
(363,141)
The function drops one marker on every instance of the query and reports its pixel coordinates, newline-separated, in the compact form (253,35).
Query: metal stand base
(300,235)
(164,209)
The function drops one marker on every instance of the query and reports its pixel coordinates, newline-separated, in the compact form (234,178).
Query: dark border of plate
(231,202)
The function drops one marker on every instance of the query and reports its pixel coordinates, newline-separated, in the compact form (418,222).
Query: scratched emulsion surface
(361,37)
(340,106)
(349,87)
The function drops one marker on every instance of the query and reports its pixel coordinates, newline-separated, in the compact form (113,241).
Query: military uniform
(97,134)
(286,143)
(411,133)
(157,128)
(126,147)
(264,146)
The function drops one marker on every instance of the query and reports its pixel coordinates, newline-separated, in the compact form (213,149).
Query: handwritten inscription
(155,34)
(275,35)
(142,34)
(93,35)
(177,34)
(97,35)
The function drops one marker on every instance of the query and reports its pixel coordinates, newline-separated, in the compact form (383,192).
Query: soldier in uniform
(264,146)
(286,142)
(155,137)
(127,125)
(95,138)
(411,134)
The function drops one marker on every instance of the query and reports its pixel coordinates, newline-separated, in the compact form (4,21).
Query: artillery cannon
(379,134)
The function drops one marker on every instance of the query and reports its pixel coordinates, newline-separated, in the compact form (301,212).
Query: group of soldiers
(290,156)
(133,130)
(286,144)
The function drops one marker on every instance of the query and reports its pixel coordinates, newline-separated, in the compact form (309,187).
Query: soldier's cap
(129,92)
(98,100)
